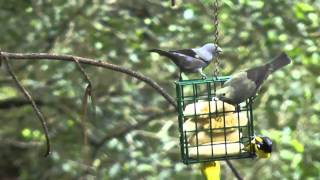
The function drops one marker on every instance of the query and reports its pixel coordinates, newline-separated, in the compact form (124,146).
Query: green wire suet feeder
(212,130)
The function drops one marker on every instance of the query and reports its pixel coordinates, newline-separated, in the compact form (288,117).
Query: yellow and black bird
(211,170)
(262,146)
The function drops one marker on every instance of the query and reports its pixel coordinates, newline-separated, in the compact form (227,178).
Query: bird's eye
(258,146)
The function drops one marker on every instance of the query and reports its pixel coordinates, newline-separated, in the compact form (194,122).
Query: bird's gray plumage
(192,60)
(207,51)
(245,84)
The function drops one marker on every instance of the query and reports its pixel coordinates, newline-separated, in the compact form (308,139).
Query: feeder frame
(204,90)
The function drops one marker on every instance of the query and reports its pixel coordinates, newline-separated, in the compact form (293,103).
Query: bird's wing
(258,75)
(234,78)
(187,52)
(188,63)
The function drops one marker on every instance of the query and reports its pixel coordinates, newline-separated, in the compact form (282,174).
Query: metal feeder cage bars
(212,130)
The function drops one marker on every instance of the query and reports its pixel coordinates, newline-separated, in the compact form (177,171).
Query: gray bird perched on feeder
(192,60)
(245,84)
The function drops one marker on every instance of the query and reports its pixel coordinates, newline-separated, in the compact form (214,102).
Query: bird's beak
(219,50)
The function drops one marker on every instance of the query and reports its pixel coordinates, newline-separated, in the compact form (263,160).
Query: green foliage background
(120,32)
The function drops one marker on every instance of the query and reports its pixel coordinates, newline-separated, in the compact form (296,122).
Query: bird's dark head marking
(264,143)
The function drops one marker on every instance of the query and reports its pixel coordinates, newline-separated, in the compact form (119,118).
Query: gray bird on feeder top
(192,60)
(245,84)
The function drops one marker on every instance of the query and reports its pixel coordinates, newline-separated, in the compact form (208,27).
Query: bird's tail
(162,53)
(280,61)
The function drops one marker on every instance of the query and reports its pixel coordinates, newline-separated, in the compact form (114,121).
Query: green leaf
(297,146)
(145,168)
(305,7)
(256,4)
(286,154)
(296,160)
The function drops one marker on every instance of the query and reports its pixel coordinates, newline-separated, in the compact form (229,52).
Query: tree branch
(42,56)
(87,94)
(32,102)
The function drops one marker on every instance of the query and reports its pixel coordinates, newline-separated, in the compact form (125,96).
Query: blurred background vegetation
(120,31)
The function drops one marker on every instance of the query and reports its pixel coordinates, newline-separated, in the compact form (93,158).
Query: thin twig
(32,102)
(83,117)
(82,71)
(87,94)
(41,56)
(89,89)
(234,170)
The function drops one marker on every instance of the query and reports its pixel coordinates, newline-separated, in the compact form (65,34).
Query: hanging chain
(216,35)
(173,3)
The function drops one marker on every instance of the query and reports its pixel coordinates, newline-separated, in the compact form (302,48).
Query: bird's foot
(215,99)
(253,98)
(203,77)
